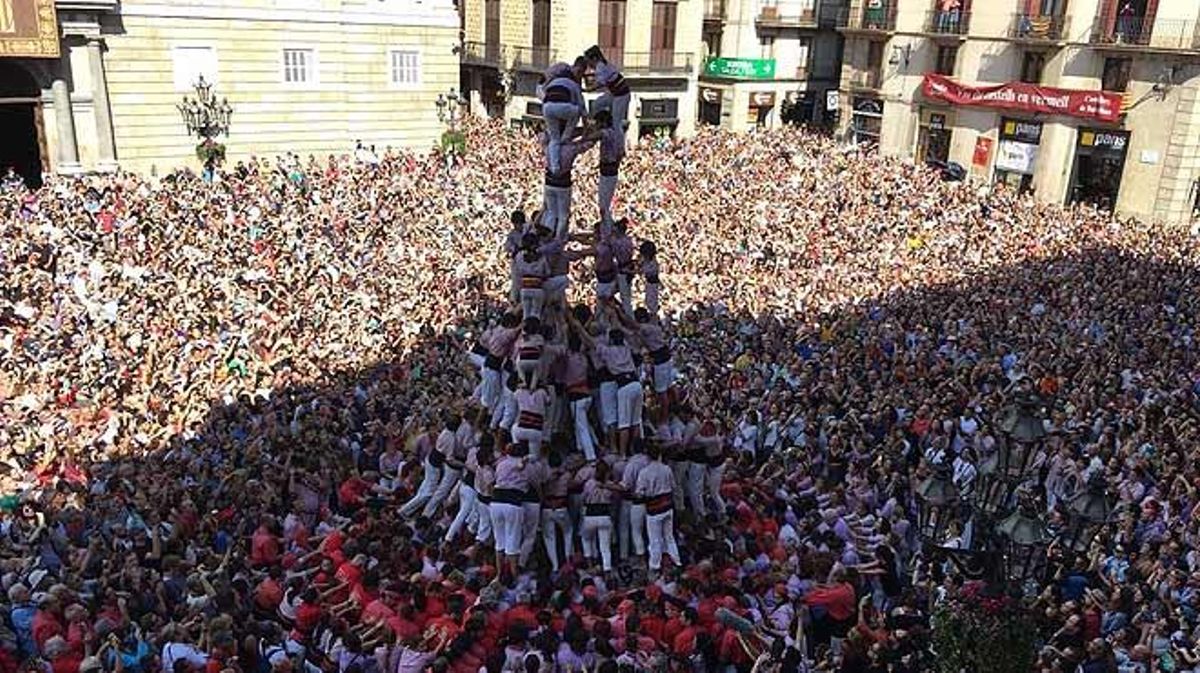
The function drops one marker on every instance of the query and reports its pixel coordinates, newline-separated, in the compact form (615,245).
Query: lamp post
(206,117)
(450,107)
(1007,538)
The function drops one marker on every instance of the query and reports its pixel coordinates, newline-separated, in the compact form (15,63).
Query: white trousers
(507,522)
(597,536)
(489,391)
(694,487)
(585,438)
(534,437)
(560,119)
(619,106)
(606,188)
(467,512)
(554,522)
(446,484)
(608,404)
(633,529)
(660,528)
(715,475)
(679,469)
(556,210)
(625,290)
(530,517)
(652,298)
(532,300)
(630,400)
(483,511)
(429,484)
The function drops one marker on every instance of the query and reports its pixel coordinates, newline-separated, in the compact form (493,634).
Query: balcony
(532,59)
(714,11)
(652,63)
(949,24)
(482,53)
(868,19)
(1144,33)
(784,14)
(865,79)
(1038,28)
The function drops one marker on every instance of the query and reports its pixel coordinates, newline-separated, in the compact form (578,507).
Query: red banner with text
(1099,105)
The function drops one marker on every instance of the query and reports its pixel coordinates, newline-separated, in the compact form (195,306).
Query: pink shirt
(510,474)
(595,494)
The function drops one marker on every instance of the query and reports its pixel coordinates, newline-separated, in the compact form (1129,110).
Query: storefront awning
(1096,105)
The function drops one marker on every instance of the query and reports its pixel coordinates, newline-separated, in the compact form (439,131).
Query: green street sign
(740,68)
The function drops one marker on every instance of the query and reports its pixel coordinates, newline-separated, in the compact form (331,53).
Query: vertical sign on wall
(983,152)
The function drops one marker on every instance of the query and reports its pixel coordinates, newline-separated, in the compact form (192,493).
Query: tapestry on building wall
(28,28)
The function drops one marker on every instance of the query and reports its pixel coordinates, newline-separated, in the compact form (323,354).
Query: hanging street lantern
(939,502)
(1025,540)
(1087,514)
(1023,434)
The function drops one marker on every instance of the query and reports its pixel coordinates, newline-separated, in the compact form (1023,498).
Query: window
(491,27)
(662,35)
(712,42)
(874,55)
(947,56)
(1116,74)
(541,24)
(611,38)
(192,63)
(406,67)
(299,66)
(766,45)
(1031,67)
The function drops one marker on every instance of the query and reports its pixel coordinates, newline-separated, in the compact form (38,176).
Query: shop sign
(832,100)
(1021,131)
(1099,105)
(710,95)
(983,152)
(1111,141)
(1016,157)
(762,99)
(937,121)
(740,68)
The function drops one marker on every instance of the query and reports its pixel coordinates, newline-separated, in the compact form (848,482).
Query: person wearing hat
(654,485)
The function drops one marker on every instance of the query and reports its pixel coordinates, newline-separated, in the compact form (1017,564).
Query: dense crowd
(287,419)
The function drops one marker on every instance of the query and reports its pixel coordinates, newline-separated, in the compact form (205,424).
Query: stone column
(106,143)
(64,121)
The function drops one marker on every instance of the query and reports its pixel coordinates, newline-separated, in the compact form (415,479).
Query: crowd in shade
(323,414)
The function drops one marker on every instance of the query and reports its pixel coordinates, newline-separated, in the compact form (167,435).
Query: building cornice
(415,14)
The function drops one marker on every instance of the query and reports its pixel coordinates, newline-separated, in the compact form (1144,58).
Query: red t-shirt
(264,548)
(268,594)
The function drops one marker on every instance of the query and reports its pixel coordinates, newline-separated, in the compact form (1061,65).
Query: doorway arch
(21,119)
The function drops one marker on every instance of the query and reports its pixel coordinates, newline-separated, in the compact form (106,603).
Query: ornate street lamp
(938,499)
(450,106)
(1025,540)
(1023,433)
(990,494)
(204,115)
(1087,514)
